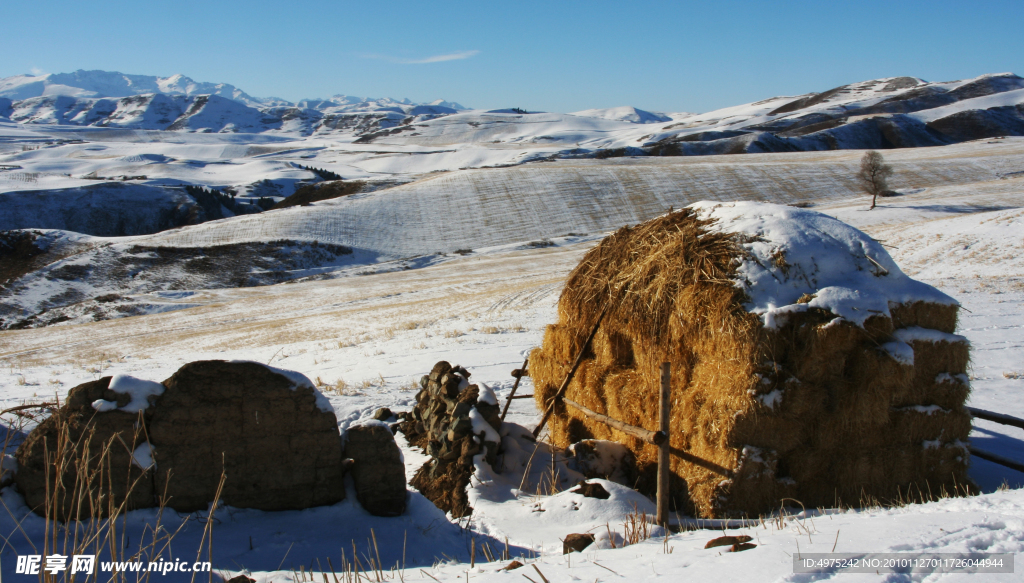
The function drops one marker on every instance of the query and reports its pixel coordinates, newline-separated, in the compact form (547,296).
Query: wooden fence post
(663,448)
(512,395)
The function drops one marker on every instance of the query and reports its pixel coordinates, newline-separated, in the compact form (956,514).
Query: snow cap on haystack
(805,364)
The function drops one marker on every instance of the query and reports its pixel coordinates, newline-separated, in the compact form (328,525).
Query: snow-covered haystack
(805,364)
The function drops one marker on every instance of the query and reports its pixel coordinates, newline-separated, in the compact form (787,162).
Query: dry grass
(637,527)
(84,511)
(1013,374)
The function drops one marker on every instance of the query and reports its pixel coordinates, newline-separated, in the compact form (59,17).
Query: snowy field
(366,336)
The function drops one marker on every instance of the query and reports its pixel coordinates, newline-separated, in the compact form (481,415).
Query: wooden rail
(646,435)
(996,417)
(995,458)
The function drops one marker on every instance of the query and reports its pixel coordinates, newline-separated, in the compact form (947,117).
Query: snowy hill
(484,210)
(881,113)
(624,114)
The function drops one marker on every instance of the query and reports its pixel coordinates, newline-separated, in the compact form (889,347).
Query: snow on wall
(297,380)
(138,389)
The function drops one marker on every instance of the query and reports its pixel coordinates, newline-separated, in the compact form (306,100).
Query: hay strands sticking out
(568,377)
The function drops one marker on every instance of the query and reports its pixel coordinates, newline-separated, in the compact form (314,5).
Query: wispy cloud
(434,59)
(37,71)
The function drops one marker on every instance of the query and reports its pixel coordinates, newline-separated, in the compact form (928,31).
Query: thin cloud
(434,59)
(36,71)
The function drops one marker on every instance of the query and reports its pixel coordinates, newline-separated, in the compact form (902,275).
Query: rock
(741,547)
(277,447)
(82,434)
(597,458)
(576,542)
(377,469)
(383,414)
(512,566)
(592,490)
(240,579)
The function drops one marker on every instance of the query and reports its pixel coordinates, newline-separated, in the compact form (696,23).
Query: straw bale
(932,359)
(914,425)
(926,315)
(809,405)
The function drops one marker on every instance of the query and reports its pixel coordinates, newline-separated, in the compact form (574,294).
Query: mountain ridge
(105,84)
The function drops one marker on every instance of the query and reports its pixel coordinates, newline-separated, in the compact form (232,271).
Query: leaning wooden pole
(568,377)
(512,395)
(645,435)
(663,448)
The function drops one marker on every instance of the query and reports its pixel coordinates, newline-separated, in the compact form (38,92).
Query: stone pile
(453,422)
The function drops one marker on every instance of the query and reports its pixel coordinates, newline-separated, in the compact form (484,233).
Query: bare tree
(874,173)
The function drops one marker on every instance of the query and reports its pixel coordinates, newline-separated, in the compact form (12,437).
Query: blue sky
(559,55)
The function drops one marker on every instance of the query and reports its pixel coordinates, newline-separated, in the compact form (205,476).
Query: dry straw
(812,411)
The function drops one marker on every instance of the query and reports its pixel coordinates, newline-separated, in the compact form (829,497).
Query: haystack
(805,365)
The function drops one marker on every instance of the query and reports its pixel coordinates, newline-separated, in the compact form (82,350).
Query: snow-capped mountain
(178,103)
(881,113)
(349,104)
(114,84)
(98,84)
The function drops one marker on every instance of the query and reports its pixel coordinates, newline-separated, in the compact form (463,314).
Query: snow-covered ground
(366,337)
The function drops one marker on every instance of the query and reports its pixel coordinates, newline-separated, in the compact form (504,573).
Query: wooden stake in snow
(663,447)
(568,377)
(512,395)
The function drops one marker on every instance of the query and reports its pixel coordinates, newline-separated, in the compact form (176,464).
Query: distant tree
(874,174)
(322,173)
